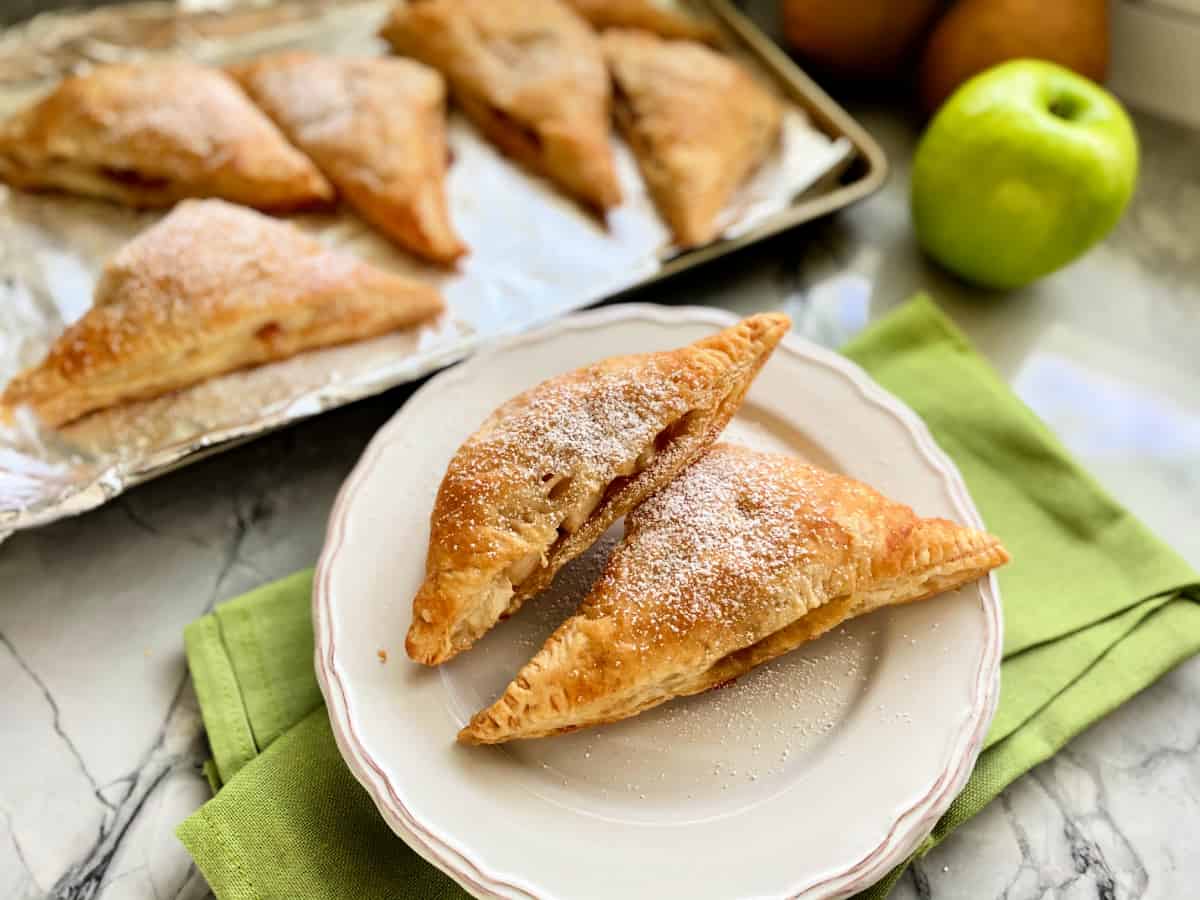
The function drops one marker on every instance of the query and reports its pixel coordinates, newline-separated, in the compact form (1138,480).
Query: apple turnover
(377,130)
(740,559)
(150,134)
(553,468)
(665,19)
(531,76)
(211,288)
(697,121)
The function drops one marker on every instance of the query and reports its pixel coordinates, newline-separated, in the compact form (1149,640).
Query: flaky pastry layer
(742,558)
(550,470)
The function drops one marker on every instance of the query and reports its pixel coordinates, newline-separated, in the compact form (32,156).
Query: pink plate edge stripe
(910,827)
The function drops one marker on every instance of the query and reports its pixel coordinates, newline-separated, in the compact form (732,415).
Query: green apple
(1024,167)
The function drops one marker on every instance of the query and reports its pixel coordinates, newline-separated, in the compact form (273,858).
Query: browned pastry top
(376,127)
(530,73)
(552,468)
(698,123)
(648,15)
(211,288)
(153,133)
(741,558)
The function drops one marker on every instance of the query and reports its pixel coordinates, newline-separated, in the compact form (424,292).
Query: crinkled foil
(534,256)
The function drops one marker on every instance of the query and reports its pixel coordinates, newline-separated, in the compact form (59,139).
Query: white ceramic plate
(811,776)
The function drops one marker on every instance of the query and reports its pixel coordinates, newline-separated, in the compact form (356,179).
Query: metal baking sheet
(535,255)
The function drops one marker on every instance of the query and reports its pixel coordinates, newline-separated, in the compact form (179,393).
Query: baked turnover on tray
(531,75)
(377,130)
(553,468)
(743,557)
(652,15)
(150,134)
(211,288)
(698,124)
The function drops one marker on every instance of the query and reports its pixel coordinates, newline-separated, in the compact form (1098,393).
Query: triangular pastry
(743,557)
(211,288)
(698,124)
(663,19)
(531,75)
(551,469)
(377,130)
(151,134)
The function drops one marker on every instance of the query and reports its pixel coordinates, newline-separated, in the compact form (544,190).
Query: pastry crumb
(382,654)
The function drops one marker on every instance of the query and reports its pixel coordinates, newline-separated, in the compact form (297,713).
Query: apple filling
(571,505)
(269,333)
(511,135)
(580,510)
(132,178)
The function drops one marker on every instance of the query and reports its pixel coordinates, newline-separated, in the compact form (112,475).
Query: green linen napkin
(1095,608)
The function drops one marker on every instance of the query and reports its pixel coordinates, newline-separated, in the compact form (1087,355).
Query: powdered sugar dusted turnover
(549,471)
(743,557)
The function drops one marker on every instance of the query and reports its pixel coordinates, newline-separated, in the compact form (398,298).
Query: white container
(1156,56)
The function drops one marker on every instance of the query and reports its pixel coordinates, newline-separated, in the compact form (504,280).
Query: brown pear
(978,34)
(858,39)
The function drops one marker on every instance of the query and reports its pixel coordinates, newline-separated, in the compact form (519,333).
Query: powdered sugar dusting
(596,419)
(734,745)
(191,273)
(208,250)
(172,113)
(696,755)
(370,119)
(707,544)
(808,693)
(588,425)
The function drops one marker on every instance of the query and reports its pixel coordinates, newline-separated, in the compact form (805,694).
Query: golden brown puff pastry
(743,557)
(531,75)
(698,123)
(376,128)
(551,469)
(211,288)
(150,134)
(650,15)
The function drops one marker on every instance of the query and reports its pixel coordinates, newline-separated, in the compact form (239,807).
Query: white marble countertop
(102,738)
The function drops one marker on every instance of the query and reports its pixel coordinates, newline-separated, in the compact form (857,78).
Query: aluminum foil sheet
(534,255)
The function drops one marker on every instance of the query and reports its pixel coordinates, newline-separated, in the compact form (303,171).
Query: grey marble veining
(102,726)
(102,739)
